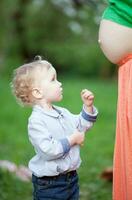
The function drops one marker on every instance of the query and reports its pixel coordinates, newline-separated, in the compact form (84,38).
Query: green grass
(97,152)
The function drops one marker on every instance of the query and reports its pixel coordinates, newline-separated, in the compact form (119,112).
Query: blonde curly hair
(24,79)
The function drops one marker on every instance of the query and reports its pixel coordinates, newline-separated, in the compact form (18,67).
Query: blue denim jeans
(61,187)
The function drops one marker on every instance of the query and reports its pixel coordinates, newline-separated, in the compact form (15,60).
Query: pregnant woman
(115,39)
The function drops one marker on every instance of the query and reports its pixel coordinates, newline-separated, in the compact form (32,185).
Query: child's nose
(60,84)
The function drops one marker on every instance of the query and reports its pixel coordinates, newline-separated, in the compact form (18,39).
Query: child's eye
(53,79)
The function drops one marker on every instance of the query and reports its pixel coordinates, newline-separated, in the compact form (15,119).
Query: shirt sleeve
(44,143)
(85,120)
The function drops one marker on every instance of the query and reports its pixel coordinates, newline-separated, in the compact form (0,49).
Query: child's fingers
(85,95)
(88,95)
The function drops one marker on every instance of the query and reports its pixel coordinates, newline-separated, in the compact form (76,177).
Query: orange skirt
(122,168)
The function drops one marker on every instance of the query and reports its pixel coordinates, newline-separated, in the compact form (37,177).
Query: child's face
(50,86)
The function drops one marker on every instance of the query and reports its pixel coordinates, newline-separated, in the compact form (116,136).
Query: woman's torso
(115,34)
(115,40)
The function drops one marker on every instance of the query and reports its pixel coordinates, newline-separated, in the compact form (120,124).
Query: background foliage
(63,31)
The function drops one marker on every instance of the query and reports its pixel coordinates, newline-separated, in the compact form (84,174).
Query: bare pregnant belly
(115,40)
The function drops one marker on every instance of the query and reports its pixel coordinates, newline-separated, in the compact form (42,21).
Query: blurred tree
(19,29)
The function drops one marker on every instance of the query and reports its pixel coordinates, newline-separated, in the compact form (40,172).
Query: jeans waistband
(60,176)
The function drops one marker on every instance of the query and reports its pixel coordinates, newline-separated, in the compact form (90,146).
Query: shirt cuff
(91,117)
(66,145)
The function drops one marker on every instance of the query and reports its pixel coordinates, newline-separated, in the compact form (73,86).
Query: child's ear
(37,93)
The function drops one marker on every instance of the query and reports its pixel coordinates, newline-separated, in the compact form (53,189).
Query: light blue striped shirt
(48,132)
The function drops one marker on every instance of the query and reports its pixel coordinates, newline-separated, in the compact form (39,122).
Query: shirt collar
(56,112)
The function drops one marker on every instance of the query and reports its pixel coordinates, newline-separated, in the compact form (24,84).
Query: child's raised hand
(87,97)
